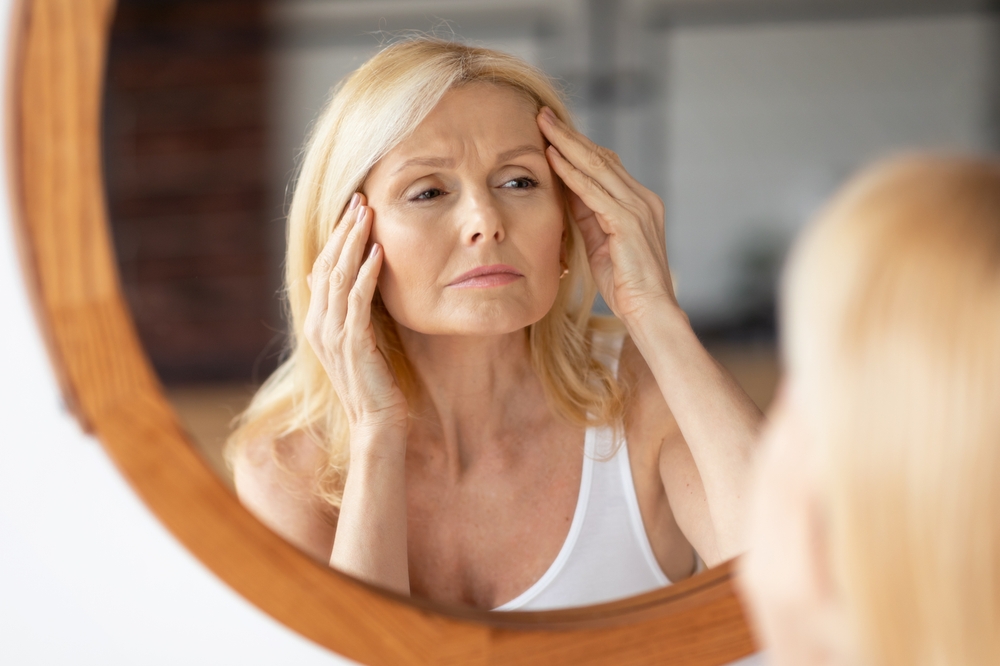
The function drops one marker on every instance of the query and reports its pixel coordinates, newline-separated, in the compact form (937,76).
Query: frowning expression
(470,217)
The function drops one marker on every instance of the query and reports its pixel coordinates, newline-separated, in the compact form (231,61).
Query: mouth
(495,275)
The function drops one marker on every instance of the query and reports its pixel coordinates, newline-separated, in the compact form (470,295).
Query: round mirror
(206,110)
(110,380)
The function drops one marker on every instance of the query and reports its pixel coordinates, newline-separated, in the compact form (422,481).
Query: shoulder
(277,480)
(298,453)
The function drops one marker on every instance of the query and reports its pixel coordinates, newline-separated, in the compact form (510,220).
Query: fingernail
(361,213)
(354,201)
(548,113)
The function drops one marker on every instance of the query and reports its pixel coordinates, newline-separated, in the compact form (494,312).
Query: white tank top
(606,555)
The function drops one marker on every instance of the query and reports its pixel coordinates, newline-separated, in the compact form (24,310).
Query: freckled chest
(483,536)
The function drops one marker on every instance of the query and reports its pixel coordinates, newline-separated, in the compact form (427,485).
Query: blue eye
(522,183)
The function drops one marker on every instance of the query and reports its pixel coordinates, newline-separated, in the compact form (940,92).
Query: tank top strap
(606,554)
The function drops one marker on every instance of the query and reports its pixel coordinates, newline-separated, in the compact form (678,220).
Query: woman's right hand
(370,541)
(339,328)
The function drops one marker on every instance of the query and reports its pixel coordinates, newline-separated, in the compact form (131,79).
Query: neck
(473,392)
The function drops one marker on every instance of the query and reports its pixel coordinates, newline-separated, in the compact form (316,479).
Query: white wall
(764,121)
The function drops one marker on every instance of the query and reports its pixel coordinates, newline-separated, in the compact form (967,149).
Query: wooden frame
(106,379)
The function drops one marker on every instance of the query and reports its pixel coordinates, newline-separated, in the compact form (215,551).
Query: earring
(565,270)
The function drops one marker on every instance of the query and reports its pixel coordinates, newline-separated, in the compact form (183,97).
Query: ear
(832,627)
(786,577)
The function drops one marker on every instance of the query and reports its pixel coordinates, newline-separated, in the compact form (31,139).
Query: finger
(345,273)
(590,192)
(590,230)
(649,197)
(644,194)
(328,256)
(318,279)
(359,310)
(360,200)
(612,161)
(586,156)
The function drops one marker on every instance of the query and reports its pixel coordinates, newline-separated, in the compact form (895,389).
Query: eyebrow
(520,150)
(443,162)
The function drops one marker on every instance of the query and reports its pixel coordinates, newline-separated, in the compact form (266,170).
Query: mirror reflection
(513,442)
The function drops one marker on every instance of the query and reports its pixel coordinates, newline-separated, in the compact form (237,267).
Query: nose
(483,219)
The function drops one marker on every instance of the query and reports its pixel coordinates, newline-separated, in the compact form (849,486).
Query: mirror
(110,386)
(206,109)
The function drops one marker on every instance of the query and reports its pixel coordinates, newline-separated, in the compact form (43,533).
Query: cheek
(541,249)
(411,257)
(544,250)
(403,267)
(542,239)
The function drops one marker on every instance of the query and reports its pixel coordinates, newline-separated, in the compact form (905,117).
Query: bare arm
(366,538)
(371,532)
(370,542)
(718,424)
(622,226)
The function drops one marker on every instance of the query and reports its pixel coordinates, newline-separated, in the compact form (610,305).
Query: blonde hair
(893,338)
(371,112)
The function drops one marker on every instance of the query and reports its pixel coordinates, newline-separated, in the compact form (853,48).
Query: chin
(484,320)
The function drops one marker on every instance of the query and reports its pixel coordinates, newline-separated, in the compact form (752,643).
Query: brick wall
(185,140)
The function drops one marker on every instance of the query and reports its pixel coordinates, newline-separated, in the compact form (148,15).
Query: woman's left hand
(620,220)
(622,227)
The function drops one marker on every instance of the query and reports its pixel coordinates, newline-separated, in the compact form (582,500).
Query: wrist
(658,322)
(376,442)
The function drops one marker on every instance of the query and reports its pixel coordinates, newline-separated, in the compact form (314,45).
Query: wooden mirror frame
(54,84)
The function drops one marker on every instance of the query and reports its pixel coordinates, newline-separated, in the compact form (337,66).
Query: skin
(461,503)
(785,576)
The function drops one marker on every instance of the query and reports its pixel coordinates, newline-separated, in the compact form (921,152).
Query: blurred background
(744,115)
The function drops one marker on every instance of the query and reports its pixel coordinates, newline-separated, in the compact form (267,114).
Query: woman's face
(469,190)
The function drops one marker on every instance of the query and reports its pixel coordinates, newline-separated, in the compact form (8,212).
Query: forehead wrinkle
(439,134)
(520,150)
(447,162)
(436,141)
(433,162)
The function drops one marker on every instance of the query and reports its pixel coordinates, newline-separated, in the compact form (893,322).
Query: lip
(494,270)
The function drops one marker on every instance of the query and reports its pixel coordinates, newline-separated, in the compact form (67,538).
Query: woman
(450,422)
(876,523)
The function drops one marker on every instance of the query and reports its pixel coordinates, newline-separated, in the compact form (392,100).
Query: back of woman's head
(893,342)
